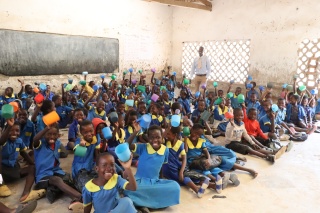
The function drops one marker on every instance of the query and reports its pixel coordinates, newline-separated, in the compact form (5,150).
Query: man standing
(200,70)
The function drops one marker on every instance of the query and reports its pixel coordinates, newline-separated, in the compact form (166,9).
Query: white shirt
(235,133)
(204,69)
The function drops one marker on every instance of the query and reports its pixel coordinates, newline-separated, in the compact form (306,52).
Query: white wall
(131,21)
(275,28)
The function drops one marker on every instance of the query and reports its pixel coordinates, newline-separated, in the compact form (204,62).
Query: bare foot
(253,173)
(23,197)
(244,159)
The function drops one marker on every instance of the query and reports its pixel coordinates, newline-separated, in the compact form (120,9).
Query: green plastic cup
(240,98)
(7,111)
(140,71)
(80,151)
(83,82)
(186,131)
(230,95)
(215,84)
(141,88)
(113,77)
(302,88)
(186,81)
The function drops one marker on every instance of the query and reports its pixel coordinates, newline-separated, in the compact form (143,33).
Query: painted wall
(144,29)
(275,28)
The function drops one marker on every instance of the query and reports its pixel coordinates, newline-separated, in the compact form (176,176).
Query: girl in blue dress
(152,191)
(220,121)
(176,170)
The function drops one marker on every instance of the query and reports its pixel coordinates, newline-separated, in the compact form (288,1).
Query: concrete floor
(290,185)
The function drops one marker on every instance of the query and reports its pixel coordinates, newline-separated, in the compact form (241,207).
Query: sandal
(4,191)
(34,195)
(76,206)
(27,207)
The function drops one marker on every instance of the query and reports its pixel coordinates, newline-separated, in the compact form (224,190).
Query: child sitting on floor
(73,132)
(102,191)
(49,175)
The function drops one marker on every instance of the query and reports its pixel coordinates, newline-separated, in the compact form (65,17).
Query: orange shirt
(253,127)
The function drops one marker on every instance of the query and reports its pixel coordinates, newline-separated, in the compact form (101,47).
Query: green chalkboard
(36,53)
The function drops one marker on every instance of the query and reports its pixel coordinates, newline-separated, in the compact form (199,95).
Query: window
(229,59)
(308,62)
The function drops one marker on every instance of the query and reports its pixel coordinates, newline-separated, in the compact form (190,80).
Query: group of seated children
(168,129)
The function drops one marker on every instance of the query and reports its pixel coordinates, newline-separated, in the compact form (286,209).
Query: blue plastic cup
(43,87)
(314,91)
(102,76)
(85,73)
(174,73)
(113,116)
(197,94)
(274,107)
(175,120)
(107,133)
(129,103)
(284,86)
(123,152)
(249,77)
(249,86)
(70,81)
(145,121)
(232,81)
(95,88)
(130,70)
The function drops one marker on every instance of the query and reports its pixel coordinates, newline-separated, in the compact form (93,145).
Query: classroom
(159,106)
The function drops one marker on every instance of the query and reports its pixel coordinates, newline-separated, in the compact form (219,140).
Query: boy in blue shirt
(48,174)
(252,102)
(9,96)
(102,191)
(97,111)
(234,99)
(73,132)
(27,128)
(65,113)
(185,102)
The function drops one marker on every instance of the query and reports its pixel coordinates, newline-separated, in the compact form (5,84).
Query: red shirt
(52,146)
(253,127)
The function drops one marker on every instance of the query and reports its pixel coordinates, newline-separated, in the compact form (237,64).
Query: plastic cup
(134,81)
(106,131)
(153,70)
(113,77)
(302,88)
(218,101)
(95,88)
(186,131)
(129,103)
(141,88)
(163,88)
(249,77)
(249,86)
(274,107)
(70,81)
(68,87)
(140,71)
(314,91)
(284,86)
(230,95)
(124,72)
(175,120)
(186,81)
(113,117)
(43,87)
(232,81)
(39,98)
(197,94)
(123,152)
(295,76)
(83,82)
(203,86)
(85,73)
(205,115)
(261,88)
(290,88)
(36,90)
(7,111)
(158,82)
(228,115)
(102,76)
(154,97)
(215,84)
(15,106)
(145,121)
(269,85)
(51,118)
(240,98)
(130,70)
(149,102)
(80,151)
(174,73)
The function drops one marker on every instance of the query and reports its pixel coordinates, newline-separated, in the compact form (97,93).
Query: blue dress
(152,191)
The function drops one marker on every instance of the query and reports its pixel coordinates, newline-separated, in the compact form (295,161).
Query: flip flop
(234,179)
(76,206)
(27,207)
(280,152)
(34,195)
(225,180)
(289,146)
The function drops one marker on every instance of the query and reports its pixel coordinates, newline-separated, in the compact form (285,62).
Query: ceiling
(197,4)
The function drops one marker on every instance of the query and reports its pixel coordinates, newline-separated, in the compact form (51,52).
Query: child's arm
(183,166)
(5,135)
(230,85)
(186,144)
(25,155)
(294,85)
(37,137)
(272,119)
(81,91)
(87,209)
(132,185)
(208,129)
(215,91)
(152,77)
(64,100)
(137,129)
(89,99)
(206,153)
(22,88)
(36,112)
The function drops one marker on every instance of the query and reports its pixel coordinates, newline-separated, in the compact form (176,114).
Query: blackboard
(36,53)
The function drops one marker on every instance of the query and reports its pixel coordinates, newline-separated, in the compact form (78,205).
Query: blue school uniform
(79,105)
(106,199)
(10,151)
(122,98)
(261,112)
(153,192)
(86,162)
(51,94)
(93,113)
(252,91)
(300,116)
(264,121)
(167,107)
(281,116)
(27,133)
(219,120)
(317,110)
(195,151)
(228,157)
(234,102)
(73,132)
(40,125)
(156,120)
(47,160)
(171,95)
(251,104)
(76,93)
(307,111)
(63,112)
(114,142)
(128,132)
(8,99)
(108,107)
(185,103)
(171,169)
